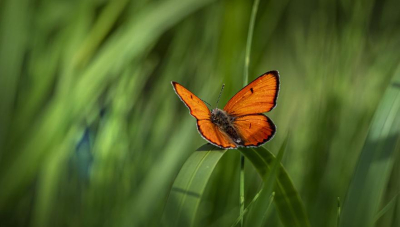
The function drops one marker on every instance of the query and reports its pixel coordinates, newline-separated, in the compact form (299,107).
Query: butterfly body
(225,123)
(241,122)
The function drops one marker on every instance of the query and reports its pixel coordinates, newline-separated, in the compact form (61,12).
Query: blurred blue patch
(83,158)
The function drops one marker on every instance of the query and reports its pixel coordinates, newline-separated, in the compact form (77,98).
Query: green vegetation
(92,133)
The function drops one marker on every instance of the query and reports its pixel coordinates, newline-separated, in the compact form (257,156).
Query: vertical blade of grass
(241,189)
(13,23)
(287,200)
(270,200)
(188,187)
(245,81)
(375,163)
(249,41)
(257,213)
(338,212)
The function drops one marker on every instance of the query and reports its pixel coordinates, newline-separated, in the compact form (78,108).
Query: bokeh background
(92,133)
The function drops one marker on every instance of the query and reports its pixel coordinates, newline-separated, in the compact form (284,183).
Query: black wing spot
(191,96)
(250,126)
(251,89)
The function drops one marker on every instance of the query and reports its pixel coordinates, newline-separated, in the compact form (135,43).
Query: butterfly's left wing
(214,135)
(255,129)
(196,106)
(257,97)
(200,111)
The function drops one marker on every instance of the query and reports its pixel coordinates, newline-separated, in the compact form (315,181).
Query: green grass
(92,134)
(376,161)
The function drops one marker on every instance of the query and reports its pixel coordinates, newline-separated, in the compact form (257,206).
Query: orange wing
(257,97)
(255,129)
(196,106)
(212,134)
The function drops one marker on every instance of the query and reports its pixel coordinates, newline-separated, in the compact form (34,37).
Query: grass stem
(245,81)
(249,41)
(241,189)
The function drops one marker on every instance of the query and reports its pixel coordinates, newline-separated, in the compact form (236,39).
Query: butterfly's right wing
(196,106)
(257,97)
(255,129)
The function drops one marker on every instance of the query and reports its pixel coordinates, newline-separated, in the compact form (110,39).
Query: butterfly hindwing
(255,129)
(196,106)
(257,97)
(214,135)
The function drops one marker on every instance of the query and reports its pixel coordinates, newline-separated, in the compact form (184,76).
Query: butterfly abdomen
(225,122)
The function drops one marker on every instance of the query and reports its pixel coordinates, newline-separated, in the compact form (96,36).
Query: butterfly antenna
(206,103)
(223,85)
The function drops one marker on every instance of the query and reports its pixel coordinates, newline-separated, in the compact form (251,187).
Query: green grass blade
(184,198)
(241,216)
(249,41)
(14,17)
(257,213)
(338,211)
(241,189)
(375,163)
(271,198)
(245,81)
(388,206)
(287,200)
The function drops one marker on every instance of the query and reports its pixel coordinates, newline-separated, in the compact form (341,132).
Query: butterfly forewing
(196,106)
(257,97)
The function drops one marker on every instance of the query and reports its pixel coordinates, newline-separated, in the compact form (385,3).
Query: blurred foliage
(92,134)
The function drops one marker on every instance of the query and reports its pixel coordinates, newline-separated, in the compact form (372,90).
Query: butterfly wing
(257,97)
(196,106)
(255,129)
(200,111)
(214,135)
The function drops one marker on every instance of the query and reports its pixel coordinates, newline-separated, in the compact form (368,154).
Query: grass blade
(249,41)
(388,206)
(375,163)
(271,198)
(338,212)
(245,81)
(258,211)
(287,200)
(14,17)
(189,185)
(242,161)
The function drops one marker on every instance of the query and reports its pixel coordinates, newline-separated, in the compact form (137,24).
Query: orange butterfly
(241,122)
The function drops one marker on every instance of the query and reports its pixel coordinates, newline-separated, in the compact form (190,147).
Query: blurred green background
(92,133)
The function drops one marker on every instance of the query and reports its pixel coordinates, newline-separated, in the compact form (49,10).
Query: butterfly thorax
(224,121)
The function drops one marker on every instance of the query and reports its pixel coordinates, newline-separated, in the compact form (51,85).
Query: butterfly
(241,122)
